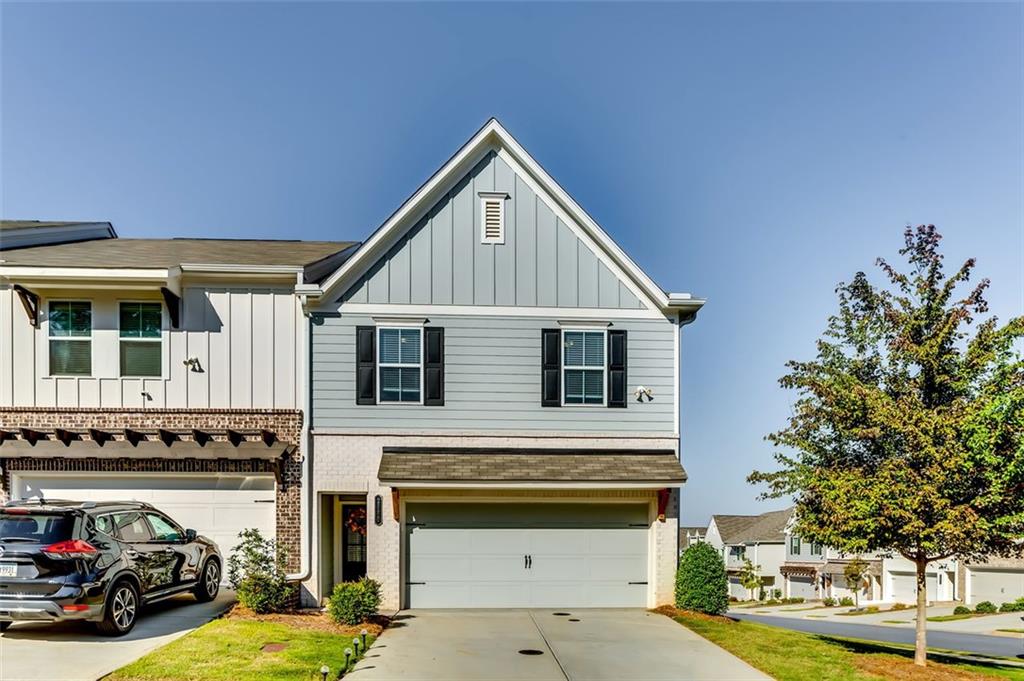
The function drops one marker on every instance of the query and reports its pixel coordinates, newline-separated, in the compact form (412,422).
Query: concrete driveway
(485,645)
(75,652)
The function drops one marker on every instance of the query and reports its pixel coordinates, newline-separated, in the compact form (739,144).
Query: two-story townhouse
(495,411)
(171,371)
(688,536)
(757,538)
(813,571)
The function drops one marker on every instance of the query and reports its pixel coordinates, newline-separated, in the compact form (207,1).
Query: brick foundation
(287,424)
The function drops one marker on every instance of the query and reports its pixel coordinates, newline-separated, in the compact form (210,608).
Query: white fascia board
(492,136)
(558,313)
(83,273)
(240,269)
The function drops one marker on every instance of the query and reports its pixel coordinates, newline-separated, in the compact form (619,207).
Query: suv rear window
(38,527)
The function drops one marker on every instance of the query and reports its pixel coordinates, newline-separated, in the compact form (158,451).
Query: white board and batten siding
(249,343)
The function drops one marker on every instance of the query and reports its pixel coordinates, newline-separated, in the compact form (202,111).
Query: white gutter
(306,498)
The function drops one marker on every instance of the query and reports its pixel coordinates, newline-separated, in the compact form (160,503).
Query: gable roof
(748,529)
(24,233)
(493,136)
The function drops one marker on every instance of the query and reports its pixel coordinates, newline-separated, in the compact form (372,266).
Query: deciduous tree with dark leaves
(907,433)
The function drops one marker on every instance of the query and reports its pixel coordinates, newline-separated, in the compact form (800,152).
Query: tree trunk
(920,641)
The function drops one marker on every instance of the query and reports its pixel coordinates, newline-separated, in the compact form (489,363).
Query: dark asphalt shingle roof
(411,464)
(767,527)
(164,253)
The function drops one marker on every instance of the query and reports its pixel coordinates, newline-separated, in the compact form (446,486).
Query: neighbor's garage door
(997,586)
(479,555)
(802,587)
(215,506)
(904,587)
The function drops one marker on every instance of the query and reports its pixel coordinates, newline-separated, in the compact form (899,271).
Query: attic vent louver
(492,217)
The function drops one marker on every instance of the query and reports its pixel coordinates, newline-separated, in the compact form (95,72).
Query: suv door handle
(131,553)
(168,549)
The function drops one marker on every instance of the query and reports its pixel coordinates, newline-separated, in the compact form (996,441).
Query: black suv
(97,561)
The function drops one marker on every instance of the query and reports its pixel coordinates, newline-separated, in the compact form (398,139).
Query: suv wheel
(209,582)
(4,625)
(122,609)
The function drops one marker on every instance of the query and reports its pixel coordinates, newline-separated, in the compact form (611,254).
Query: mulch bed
(672,611)
(903,669)
(310,618)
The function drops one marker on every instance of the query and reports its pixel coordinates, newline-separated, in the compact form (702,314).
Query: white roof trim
(494,135)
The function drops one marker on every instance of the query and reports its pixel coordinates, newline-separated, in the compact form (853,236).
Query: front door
(353,542)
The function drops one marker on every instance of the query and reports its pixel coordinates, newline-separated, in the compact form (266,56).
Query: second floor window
(816,549)
(400,366)
(737,552)
(583,367)
(794,545)
(140,339)
(70,324)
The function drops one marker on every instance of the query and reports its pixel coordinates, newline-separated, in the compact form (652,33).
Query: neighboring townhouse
(899,580)
(688,536)
(171,371)
(495,401)
(813,571)
(759,538)
(997,580)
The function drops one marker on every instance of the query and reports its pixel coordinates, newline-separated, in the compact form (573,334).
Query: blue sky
(754,154)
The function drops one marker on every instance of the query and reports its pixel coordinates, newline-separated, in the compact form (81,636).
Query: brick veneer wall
(347,464)
(286,423)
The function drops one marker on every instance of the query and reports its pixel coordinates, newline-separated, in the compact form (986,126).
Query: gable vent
(492,212)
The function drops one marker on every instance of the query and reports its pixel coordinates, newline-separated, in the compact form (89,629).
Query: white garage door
(904,587)
(215,506)
(462,555)
(802,587)
(997,586)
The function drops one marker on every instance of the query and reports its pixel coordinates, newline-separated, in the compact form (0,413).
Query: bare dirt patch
(902,669)
(311,619)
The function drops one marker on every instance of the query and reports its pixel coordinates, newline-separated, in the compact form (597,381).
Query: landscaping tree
(750,577)
(907,434)
(854,572)
(701,583)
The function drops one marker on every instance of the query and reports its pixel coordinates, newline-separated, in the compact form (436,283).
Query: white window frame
(502,198)
(160,340)
(604,366)
(380,365)
(89,338)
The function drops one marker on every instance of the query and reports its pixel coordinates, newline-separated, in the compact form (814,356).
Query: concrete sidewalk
(591,645)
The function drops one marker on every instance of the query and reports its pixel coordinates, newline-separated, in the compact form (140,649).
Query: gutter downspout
(306,499)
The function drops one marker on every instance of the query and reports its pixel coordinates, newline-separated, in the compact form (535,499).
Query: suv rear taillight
(71,548)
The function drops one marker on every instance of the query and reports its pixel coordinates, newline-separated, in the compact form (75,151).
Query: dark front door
(353,542)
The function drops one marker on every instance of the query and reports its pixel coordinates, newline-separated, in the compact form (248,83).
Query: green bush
(985,608)
(961,610)
(846,601)
(256,571)
(354,602)
(793,599)
(701,583)
(1013,606)
(901,606)
(828,602)
(776,594)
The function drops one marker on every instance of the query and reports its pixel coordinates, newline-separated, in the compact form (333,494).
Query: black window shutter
(433,366)
(366,365)
(551,368)
(617,368)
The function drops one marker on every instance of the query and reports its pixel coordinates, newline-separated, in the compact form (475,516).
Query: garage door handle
(526,561)
(529,562)
(636,582)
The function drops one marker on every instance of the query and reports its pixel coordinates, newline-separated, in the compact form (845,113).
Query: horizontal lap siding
(492,380)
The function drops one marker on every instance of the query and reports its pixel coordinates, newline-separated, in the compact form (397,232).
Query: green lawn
(951,618)
(231,649)
(795,656)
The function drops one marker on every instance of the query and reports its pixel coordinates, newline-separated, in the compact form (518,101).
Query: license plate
(8,570)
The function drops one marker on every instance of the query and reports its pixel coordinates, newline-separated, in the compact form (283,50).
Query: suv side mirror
(190,535)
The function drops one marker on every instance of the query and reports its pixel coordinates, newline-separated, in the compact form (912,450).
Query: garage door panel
(215,506)
(997,586)
(904,587)
(802,587)
(481,566)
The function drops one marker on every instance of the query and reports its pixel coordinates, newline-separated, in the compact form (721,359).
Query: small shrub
(732,599)
(828,602)
(961,610)
(793,599)
(871,608)
(354,602)
(256,571)
(846,601)
(776,594)
(900,606)
(701,582)
(985,608)
(1013,606)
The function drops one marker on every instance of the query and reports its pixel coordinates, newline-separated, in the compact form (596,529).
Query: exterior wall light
(378,510)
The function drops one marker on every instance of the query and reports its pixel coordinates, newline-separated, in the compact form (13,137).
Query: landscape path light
(324,671)
(362,635)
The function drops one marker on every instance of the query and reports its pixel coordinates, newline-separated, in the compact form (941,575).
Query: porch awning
(836,567)
(137,444)
(554,468)
(804,569)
